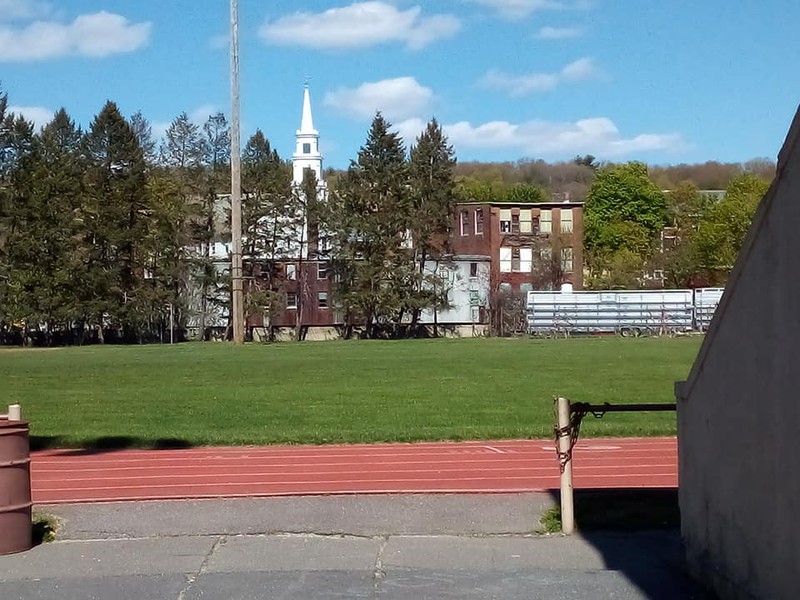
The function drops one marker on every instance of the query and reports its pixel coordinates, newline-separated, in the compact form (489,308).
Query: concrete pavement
(385,547)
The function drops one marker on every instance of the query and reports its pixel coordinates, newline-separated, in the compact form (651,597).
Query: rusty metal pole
(564,441)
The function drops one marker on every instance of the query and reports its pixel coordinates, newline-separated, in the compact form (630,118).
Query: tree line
(638,235)
(106,232)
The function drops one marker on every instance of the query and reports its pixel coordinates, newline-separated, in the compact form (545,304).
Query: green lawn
(353,391)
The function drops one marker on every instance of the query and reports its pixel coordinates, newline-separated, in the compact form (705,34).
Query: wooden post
(564,441)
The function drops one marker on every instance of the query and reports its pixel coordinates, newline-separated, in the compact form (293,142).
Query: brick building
(532,246)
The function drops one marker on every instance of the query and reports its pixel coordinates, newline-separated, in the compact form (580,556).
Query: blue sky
(664,82)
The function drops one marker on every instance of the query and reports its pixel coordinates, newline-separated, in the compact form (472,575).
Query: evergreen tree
(115,215)
(17,287)
(432,164)
(144,134)
(371,213)
(267,219)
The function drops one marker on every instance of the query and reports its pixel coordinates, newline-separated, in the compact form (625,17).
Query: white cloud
(159,129)
(359,25)
(521,85)
(398,98)
(94,35)
(598,136)
(38,115)
(519,9)
(560,33)
(200,114)
(11,10)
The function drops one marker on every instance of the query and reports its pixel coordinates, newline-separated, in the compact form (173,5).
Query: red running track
(61,476)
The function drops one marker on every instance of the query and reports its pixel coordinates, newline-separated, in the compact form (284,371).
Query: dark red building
(533,246)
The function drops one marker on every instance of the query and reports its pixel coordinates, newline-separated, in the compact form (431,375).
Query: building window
(474,297)
(291,272)
(306,148)
(525,221)
(505,260)
(546,221)
(525,287)
(566,220)
(478,221)
(464,216)
(322,270)
(505,220)
(291,300)
(515,223)
(473,270)
(525,259)
(322,299)
(566,260)
(515,260)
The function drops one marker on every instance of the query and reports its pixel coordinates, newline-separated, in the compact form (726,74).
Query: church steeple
(307,154)
(307,123)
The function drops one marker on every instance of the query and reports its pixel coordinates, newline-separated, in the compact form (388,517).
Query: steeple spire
(307,123)
(306,154)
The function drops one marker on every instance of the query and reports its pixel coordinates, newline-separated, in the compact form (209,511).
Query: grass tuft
(44,528)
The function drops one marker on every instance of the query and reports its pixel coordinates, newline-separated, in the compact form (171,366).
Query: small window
(546,221)
(566,220)
(322,270)
(515,223)
(473,270)
(505,220)
(464,222)
(474,297)
(479,221)
(525,259)
(505,260)
(566,260)
(515,259)
(525,221)
(291,272)
(291,300)
(306,148)
(322,299)
(525,287)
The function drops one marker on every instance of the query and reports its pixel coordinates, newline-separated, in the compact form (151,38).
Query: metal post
(564,441)
(14,412)
(171,322)
(236,186)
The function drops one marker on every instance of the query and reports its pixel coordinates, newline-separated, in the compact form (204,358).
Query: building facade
(531,246)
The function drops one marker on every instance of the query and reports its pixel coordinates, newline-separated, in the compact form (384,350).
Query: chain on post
(572,430)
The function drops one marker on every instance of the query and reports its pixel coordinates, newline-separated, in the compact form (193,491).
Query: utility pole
(236,186)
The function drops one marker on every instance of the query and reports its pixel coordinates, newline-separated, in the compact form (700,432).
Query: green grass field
(353,391)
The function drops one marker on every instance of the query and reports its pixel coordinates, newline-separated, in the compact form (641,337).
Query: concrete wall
(739,412)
